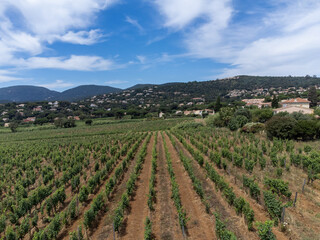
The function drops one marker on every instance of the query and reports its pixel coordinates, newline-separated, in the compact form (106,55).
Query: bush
(305,129)
(252,127)
(281,127)
(262,115)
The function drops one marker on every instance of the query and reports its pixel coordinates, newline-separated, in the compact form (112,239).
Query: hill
(207,89)
(33,93)
(85,91)
(138,86)
(27,94)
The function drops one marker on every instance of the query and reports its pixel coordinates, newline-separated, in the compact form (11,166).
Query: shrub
(281,127)
(252,127)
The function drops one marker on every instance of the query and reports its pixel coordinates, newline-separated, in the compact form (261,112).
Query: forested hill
(222,87)
(208,89)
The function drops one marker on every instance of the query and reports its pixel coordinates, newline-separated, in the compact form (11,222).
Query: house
(292,109)
(259,102)
(197,112)
(29,119)
(296,102)
(6,125)
(209,111)
(161,115)
(37,109)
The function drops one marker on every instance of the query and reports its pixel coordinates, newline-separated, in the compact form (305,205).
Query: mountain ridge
(210,89)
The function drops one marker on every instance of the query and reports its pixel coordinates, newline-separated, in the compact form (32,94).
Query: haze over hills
(209,89)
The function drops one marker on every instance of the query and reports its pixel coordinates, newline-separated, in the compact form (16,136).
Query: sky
(60,44)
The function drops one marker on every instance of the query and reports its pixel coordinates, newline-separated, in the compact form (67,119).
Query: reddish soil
(103,228)
(139,208)
(200,224)
(234,222)
(303,220)
(86,207)
(259,212)
(165,222)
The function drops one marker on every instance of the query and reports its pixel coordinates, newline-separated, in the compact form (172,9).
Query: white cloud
(5,76)
(45,17)
(79,63)
(281,41)
(135,23)
(27,26)
(142,59)
(180,13)
(115,82)
(58,84)
(81,37)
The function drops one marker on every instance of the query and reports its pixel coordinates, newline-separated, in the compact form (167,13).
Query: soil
(234,222)
(139,208)
(74,226)
(200,224)
(165,222)
(104,229)
(259,212)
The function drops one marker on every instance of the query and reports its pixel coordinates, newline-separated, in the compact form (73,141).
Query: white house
(296,102)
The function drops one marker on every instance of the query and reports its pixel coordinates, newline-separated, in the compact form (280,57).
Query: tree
(89,122)
(13,126)
(226,114)
(217,105)
(281,127)
(275,102)
(313,96)
(305,129)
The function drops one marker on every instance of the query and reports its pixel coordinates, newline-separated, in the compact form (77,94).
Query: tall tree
(217,105)
(275,102)
(313,96)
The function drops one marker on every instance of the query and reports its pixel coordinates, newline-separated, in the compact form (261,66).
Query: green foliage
(252,128)
(274,206)
(221,230)
(265,230)
(148,229)
(281,127)
(253,187)
(278,186)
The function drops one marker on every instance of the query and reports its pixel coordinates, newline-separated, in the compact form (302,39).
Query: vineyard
(157,180)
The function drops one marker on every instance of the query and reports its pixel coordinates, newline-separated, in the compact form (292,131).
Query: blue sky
(65,43)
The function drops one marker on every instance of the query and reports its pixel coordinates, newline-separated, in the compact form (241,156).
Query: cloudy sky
(60,44)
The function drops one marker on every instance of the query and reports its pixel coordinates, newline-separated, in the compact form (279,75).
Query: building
(259,102)
(29,119)
(37,109)
(292,109)
(296,102)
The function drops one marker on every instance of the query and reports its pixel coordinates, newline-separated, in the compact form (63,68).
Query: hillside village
(152,102)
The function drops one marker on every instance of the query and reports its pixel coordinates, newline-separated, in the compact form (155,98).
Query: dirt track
(200,225)
(165,217)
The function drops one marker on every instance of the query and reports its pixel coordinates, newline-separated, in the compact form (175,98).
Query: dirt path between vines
(259,212)
(165,216)
(104,230)
(83,209)
(234,222)
(139,208)
(200,225)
